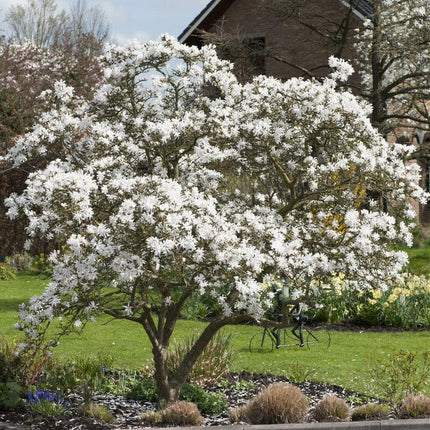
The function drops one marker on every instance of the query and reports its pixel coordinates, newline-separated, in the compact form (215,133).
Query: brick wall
(290,39)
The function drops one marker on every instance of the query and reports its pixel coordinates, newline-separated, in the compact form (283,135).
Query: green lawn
(419,259)
(344,363)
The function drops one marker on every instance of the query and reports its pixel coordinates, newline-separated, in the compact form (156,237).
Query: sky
(141,19)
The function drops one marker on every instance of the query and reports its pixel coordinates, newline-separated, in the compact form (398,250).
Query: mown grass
(345,363)
(419,256)
(419,260)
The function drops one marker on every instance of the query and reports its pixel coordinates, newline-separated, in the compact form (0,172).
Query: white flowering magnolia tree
(177,182)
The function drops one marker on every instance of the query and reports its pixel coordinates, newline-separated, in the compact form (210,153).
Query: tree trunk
(168,390)
(378,100)
(170,381)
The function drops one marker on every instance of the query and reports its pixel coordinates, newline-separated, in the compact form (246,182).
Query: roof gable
(213,11)
(216,8)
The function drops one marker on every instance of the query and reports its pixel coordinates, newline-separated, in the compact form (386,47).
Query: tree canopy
(175,181)
(45,24)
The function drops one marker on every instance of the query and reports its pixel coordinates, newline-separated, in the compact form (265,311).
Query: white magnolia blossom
(177,181)
(393,48)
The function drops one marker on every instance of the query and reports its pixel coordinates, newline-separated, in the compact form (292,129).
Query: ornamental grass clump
(370,411)
(93,410)
(415,406)
(332,408)
(213,363)
(180,413)
(277,404)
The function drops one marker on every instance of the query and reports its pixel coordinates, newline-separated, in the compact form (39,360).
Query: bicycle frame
(300,332)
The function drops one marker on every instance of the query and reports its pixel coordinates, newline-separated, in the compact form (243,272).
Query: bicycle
(299,336)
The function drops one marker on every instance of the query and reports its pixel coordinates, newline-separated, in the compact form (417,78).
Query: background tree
(39,21)
(389,46)
(162,192)
(45,44)
(43,23)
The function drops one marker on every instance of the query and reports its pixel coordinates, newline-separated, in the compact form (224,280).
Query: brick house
(289,48)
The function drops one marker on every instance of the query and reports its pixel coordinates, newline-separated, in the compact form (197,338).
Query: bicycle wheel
(318,337)
(261,342)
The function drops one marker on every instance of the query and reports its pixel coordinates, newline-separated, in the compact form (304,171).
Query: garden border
(407,424)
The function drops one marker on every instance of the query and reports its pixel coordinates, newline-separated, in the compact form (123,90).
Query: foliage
(298,372)
(10,395)
(370,411)
(403,302)
(22,262)
(59,376)
(398,375)
(208,403)
(277,404)
(121,381)
(7,271)
(45,403)
(331,408)
(195,308)
(93,410)
(20,364)
(415,406)
(211,365)
(160,193)
(41,265)
(85,374)
(27,70)
(242,385)
(145,390)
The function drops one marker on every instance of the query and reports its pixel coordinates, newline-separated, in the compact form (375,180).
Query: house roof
(216,8)
(204,20)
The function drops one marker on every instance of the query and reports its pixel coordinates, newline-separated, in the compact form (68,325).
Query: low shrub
(22,367)
(398,375)
(144,390)
(10,395)
(182,413)
(370,411)
(7,272)
(56,375)
(277,404)
(208,403)
(415,406)
(41,265)
(21,262)
(331,408)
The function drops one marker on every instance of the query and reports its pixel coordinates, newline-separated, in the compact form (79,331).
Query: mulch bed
(127,411)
